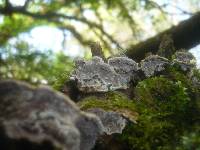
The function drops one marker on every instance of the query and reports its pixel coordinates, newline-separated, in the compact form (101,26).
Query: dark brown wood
(185,35)
(96,50)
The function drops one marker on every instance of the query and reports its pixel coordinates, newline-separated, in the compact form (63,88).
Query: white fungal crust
(124,66)
(153,64)
(113,122)
(185,60)
(97,76)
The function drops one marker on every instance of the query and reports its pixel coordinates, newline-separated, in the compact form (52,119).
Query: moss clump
(175,74)
(166,110)
(190,140)
(161,94)
(196,73)
(112,101)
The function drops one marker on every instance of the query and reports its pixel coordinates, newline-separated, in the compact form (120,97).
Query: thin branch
(160,7)
(77,35)
(7,3)
(156,5)
(54,17)
(50,19)
(64,37)
(131,21)
(105,43)
(99,17)
(26,4)
(182,10)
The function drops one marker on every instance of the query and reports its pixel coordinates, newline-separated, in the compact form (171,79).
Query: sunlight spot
(174,9)
(47,38)
(74,50)
(44,81)
(1,19)
(89,14)
(17,2)
(196,52)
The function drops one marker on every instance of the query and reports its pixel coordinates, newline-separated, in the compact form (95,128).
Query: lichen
(113,122)
(153,64)
(126,67)
(97,76)
(185,60)
(120,72)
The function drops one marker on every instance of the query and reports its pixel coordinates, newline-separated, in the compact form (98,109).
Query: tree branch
(185,35)
(52,16)
(75,34)
(26,4)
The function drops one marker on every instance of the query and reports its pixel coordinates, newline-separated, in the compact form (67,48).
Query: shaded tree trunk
(185,35)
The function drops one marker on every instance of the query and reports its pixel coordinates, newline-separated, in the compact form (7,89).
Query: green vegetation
(159,94)
(22,61)
(113,101)
(167,109)
(190,141)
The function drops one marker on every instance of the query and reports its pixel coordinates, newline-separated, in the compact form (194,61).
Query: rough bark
(185,35)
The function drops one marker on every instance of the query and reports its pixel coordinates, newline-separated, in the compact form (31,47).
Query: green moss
(175,74)
(192,88)
(112,101)
(162,94)
(190,141)
(165,113)
(196,73)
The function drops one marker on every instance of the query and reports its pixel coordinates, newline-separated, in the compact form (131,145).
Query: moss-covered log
(164,106)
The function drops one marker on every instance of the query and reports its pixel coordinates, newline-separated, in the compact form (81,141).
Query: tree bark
(185,35)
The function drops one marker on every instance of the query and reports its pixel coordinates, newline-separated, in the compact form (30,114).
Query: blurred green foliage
(13,25)
(23,62)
